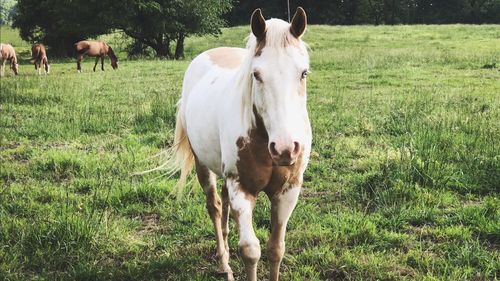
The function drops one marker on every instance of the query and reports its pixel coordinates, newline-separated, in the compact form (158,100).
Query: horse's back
(205,87)
(38,51)
(7,52)
(217,62)
(210,72)
(90,47)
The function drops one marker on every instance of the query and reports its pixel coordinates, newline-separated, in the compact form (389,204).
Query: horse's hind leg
(96,62)
(225,215)
(2,67)
(39,67)
(214,206)
(102,63)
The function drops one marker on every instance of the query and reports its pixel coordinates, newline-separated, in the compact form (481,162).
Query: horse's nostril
(272,149)
(296,148)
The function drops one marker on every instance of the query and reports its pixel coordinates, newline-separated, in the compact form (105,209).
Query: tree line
(7,11)
(348,12)
(160,24)
(163,25)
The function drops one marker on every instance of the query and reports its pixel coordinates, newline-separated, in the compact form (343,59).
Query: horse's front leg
(39,68)
(214,207)
(282,205)
(96,62)
(102,63)
(242,205)
(78,63)
(45,64)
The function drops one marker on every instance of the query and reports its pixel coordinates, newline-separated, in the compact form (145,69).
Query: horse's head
(15,67)
(279,67)
(113,57)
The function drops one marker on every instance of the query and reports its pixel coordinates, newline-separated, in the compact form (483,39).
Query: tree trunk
(393,12)
(62,48)
(162,50)
(179,47)
(352,11)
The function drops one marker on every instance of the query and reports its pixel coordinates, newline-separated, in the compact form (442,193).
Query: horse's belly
(201,115)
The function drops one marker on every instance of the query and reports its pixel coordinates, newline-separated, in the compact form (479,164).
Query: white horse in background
(7,53)
(243,117)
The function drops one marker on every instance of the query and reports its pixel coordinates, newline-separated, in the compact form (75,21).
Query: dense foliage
(163,25)
(158,23)
(61,23)
(7,11)
(376,11)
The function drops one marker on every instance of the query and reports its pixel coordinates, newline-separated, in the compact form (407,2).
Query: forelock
(277,36)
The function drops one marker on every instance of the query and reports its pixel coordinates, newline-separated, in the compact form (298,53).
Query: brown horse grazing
(39,57)
(7,53)
(97,49)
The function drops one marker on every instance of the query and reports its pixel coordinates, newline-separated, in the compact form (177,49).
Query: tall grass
(403,181)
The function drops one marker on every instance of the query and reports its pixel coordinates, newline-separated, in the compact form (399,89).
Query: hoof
(228,276)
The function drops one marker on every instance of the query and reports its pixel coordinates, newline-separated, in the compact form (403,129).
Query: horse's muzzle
(283,154)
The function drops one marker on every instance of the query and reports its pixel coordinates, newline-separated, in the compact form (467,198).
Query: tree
(160,23)
(375,11)
(7,11)
(60,23)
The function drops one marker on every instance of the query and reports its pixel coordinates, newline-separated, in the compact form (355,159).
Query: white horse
(7,53)
(243,117)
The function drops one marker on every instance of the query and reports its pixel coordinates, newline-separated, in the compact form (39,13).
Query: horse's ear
(299,23)
(258,24)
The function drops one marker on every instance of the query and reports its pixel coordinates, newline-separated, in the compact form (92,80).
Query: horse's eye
(257,76)
(304,74)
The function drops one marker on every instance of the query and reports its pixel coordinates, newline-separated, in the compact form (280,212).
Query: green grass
(403,182)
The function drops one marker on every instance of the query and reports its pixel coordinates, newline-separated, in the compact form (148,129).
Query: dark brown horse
(7,53)
(97,49)
(39,57)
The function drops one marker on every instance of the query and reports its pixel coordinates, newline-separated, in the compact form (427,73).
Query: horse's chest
(256,171)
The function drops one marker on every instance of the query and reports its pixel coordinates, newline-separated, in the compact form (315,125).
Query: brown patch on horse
(261,43)
(303,87)
(226,57)
(259,28)
(256,170)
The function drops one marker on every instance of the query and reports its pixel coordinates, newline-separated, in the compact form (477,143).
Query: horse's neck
(243,101)
(111,54)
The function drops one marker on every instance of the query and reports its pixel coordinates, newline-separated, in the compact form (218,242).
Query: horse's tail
(78,49)
(182,153)
(178,157)
(35,55)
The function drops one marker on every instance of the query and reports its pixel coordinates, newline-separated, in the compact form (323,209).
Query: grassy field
(403,183)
